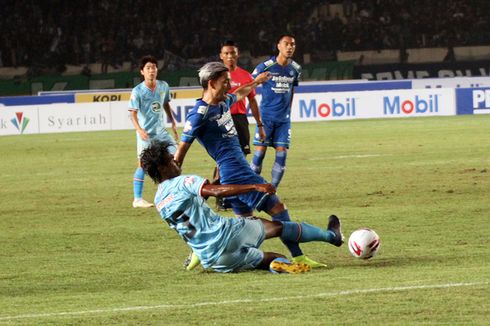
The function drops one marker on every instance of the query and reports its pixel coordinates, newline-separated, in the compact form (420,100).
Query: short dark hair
(155,155)
(147,58)
(229,43)
(283,36)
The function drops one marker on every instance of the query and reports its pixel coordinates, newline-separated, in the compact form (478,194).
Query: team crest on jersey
(156,107)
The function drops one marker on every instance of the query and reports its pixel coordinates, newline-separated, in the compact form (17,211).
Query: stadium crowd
(55,33)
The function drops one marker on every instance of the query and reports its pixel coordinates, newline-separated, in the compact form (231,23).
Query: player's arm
(243,91)
(232,190)
(254,107)
(134,118)
(168,111)
(181,152)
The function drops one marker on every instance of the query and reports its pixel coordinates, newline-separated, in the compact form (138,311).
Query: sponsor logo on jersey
(164,202)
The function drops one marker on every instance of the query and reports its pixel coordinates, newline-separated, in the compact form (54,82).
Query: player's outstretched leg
(304,232)
(292,242)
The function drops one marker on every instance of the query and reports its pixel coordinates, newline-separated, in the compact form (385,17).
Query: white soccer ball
(364,243)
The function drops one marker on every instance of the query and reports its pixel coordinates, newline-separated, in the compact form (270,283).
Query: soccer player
(211,123)
(224,244)
(275,107)
(229,54)
(149,100)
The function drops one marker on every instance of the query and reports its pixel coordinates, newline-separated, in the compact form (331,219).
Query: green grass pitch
(74,251)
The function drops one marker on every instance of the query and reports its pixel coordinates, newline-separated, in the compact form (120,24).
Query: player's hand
(261,133)
(266,187)
(263,77)
(143,134)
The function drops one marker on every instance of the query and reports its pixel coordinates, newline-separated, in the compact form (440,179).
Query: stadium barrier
(108,110)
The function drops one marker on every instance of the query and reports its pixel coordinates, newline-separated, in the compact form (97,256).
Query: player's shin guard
(278,168)
(304,232)
(138,181)
(257,159)
(292,245)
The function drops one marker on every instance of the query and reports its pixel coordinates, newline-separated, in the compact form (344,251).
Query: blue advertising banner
(473,100)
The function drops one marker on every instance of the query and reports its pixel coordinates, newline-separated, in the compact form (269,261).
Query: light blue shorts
(165,136)
(242,251)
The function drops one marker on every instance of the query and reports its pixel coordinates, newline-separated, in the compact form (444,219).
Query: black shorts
(241,126)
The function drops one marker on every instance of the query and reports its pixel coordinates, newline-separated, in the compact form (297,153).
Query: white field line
(340,157)
(240,301)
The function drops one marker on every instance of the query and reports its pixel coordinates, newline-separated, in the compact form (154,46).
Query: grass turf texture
(74,251)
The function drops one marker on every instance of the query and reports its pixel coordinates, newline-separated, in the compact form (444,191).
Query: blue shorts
(242,251)
(165,136)
(276,134)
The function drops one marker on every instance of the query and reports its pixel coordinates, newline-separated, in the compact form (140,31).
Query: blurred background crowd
(56,33)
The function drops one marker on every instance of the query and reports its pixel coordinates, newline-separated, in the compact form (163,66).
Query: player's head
(215,77)
(286,45)
(229,53)
(158,163)
(149,67)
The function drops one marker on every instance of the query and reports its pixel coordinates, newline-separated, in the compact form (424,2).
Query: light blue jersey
(150,107)
(277,91)
(180,204)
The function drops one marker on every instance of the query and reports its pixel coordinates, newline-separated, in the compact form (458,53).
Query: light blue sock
(278,168)
(292,245)
(257,159)
(304,232)
(138,181)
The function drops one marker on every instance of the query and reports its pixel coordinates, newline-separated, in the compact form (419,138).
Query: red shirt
(240,77)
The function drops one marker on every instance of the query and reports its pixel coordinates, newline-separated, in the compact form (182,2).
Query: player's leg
(304,232)
(139,178)
(281,140)
(261,146)
(277,210)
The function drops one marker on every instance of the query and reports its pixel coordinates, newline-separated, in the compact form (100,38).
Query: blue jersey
(213,127)
(277,92)
(149,105)
(180,204)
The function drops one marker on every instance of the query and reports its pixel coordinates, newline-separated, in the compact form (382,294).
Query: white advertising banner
(16,120)
(375,104)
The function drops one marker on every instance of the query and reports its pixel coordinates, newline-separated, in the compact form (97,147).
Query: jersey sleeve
(194,123)
(258,70)
(134,102)
(193,184)
(166,95)
(230,99)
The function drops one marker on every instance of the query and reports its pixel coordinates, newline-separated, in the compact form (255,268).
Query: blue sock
(304,232)
(257,159)
(278,168)
(138,181)
(292,245)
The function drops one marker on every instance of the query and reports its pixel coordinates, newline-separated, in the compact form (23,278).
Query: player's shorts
(165,136)
(276,134)
(241,126)
(242,251)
